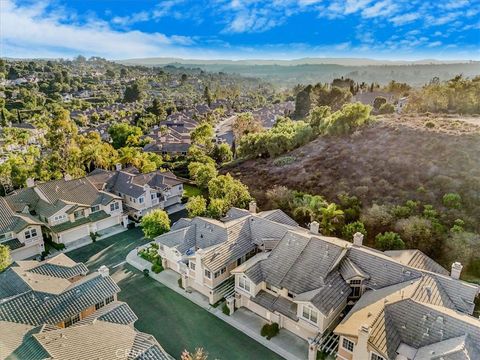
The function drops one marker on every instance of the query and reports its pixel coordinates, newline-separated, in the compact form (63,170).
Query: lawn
(176,322)
(191,190)
(111,251)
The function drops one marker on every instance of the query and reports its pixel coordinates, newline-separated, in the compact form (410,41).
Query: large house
(140,193)
(22,233)
(205,251)
(69,210)
(54,310)
(308,283)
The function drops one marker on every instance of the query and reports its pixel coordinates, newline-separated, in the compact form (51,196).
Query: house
(140,193)
(308,282)
(425,318)
(302,280)
(22,233)
(54,309)
(205,251)
(69,210)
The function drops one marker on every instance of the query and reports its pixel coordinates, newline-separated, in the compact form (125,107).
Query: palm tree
(331,218)
(199,354)
(308,207)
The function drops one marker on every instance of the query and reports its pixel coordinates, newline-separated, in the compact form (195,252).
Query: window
(95,208)
(348,345)
(114,206)
(99,305)
(376,357)
(109,300)
(30,233)
(356,286)
(79,214)
(244,283)
(309,314)
(141,200)
(208,274)
(153,196)
(59,217)
(290,295)
(6,236)
(192,265)
(72,320)
(223,270)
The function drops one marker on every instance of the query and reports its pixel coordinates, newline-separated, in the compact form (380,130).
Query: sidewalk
(286,344)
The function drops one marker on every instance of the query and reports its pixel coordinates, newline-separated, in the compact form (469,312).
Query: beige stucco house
(22,233)
(68,210)
(140,193)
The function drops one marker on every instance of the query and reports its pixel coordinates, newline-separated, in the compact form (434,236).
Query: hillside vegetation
(387,162)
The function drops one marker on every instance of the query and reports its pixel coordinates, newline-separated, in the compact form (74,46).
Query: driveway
(176,322)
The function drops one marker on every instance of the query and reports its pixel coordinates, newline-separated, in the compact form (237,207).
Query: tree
(229,189)
(307,208)
(207,96)
(199,354)
(417,233)
(133,92)
(245,124)
(347,119)
(196,206)
(222,153)
(378,102)
(217,208)
(155,223)
(203,135)
(331,218)
(5,259)
(389,241)
(158,110)
(202,173)
(123,134)
(350,229)
(303,102)
(318,116)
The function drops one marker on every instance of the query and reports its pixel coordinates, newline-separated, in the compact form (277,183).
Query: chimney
(30,182)
(361,347)
(252,207)
(314,227)
(358,239)
(104,271)
(67,177)
(118,167)
(456,270)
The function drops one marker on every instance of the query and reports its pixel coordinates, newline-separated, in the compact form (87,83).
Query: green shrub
(270,330)
(352,228)
(386,109)
(157,266)
(57,246)
(150,254)
(284,160)
(225,309)
(94,236)
(430,124)
(146,272)
(452,200)
(389,241)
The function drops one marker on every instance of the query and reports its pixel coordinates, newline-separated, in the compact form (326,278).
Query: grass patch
(191,190)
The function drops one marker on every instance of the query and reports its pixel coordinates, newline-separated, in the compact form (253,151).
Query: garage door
(106,223)
(74,234)
(25,253)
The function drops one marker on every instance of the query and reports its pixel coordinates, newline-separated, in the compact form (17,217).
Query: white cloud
(405,18)
(381,8)
(33,28)
(434,44)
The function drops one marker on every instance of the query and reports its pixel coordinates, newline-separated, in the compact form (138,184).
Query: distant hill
(301,61)
(313,70)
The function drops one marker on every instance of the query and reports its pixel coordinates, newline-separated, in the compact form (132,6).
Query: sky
(241,29)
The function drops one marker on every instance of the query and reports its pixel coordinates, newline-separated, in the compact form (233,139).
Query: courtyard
(175,321)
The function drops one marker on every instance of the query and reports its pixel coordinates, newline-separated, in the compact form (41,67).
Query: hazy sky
(281,29)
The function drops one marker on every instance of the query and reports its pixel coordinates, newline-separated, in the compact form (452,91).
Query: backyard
(176,322)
